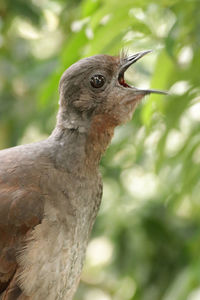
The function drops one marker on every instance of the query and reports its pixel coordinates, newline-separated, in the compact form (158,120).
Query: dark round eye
(97,81)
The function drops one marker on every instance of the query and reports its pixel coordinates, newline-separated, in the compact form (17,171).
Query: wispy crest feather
(123,54)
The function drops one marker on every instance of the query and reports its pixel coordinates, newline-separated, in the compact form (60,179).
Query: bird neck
(82,147)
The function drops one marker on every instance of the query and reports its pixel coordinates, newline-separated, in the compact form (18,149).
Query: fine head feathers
(96,86)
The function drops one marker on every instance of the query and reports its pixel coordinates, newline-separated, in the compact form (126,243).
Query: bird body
(50,191)
(61,205)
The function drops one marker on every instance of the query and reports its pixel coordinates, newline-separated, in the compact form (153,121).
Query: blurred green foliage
(146,241)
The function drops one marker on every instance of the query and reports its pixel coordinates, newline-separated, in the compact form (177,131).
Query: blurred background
(146,241)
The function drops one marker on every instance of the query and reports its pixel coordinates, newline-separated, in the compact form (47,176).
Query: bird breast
(52,260)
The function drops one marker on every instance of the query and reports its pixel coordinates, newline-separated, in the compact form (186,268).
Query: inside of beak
(122,81)
(128,62)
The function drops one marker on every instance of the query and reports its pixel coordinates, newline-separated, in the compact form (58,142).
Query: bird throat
(99,136)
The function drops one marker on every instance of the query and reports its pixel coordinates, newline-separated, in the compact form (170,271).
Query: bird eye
(97,81)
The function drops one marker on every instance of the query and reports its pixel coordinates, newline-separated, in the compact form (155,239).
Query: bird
(50,191)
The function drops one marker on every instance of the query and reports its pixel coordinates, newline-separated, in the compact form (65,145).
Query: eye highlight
(97,81)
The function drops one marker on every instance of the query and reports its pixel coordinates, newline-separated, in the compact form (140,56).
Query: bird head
(95,86)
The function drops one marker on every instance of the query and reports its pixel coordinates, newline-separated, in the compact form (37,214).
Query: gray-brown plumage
(50,191)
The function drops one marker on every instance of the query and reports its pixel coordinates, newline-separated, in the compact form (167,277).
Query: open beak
(126,63)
